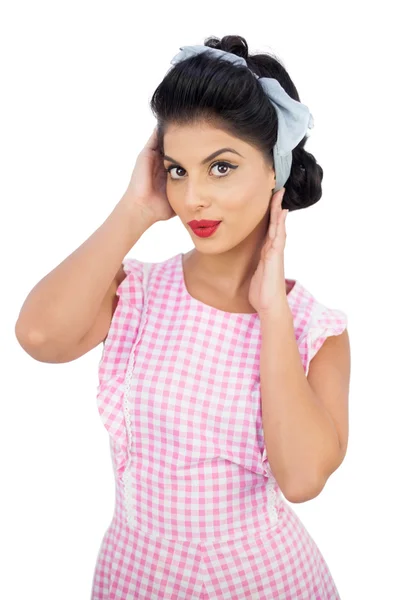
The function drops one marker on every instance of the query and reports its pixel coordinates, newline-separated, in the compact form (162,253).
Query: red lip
(203,223)
(204,232)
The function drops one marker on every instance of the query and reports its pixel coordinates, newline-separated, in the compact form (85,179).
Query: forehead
(196,141)
(200,129)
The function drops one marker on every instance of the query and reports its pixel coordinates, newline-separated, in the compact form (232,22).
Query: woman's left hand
(268,286)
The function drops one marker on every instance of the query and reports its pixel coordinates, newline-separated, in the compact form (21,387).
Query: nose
(195,196)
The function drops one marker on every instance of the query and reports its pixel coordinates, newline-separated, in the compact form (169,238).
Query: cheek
(246,203)
(252,207)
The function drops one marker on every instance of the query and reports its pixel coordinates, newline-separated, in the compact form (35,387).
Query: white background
(76,81)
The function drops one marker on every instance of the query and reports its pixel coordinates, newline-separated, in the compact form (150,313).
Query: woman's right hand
(147,187)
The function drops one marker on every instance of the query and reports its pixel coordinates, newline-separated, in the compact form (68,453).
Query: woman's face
(236,192)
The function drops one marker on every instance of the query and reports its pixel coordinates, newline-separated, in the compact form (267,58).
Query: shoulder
(315,321)
(138,274)
(310,313)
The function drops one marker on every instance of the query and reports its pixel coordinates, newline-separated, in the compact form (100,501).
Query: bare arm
(61,309)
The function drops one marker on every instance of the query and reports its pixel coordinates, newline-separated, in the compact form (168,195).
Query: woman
(215,413)
(205,511)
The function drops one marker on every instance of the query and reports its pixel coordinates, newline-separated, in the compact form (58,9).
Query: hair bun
(235,44)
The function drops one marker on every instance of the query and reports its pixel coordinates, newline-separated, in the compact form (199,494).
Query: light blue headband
(294,118)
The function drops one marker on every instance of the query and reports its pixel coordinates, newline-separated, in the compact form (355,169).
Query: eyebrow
(213,155)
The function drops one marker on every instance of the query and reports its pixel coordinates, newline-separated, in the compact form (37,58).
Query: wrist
(277,310)
(135,211)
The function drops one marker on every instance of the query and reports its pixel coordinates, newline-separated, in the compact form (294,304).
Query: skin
(219,269)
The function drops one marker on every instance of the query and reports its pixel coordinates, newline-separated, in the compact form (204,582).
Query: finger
(277,203)
(271,228)
(276,211)
(283,222)
(152,142)
(281,193)
(282,217)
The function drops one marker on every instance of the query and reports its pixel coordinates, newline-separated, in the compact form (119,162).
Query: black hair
(205,89)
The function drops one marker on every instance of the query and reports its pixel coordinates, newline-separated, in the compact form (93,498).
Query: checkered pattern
(198,512)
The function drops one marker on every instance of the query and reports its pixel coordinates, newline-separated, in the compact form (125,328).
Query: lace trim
(127,475)
(272,496)
(272,492)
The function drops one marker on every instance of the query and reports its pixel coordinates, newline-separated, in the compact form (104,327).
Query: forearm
(299,433)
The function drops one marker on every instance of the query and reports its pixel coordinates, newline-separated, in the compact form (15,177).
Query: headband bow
(294,118)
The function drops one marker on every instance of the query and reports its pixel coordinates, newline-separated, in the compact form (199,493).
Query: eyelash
(219,162)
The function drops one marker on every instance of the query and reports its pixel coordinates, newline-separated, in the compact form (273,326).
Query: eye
(224,163)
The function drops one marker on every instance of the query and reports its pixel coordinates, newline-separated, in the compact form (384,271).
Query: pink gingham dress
(198,512)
